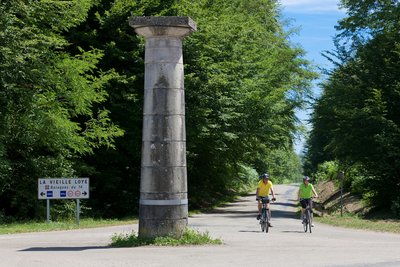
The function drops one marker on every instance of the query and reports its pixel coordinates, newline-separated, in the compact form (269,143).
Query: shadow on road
(250,231)
(283,214)
(286,204)
(299,232)
(64,248)
(277,212)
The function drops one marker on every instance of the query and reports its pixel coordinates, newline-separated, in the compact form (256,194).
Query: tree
(357,118)
(116,172)
(47,99)
(243,81)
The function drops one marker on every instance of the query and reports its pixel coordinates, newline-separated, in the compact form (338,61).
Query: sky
(316,20)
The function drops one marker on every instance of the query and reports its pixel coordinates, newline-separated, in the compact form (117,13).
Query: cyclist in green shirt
(305,195)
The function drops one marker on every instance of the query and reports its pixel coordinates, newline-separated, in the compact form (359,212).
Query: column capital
(163,26)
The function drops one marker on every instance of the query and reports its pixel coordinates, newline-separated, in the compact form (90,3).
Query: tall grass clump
(189,237)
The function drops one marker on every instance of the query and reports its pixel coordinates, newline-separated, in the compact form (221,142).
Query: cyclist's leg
(311,213)
(269,215)
(303,204)
(259,209)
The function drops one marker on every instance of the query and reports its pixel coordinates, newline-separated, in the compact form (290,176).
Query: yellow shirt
(263,189)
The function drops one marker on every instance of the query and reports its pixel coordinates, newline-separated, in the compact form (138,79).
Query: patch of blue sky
(316,20)
(314,6)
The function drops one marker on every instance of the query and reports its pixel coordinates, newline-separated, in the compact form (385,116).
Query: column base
(150,228)
(165,220)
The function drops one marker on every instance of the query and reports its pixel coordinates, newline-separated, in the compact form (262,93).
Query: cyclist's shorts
(264,199)
(304,202)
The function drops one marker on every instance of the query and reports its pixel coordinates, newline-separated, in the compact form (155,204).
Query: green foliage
(356,119)
(247,176)
(47,113)
(64,210)
(243,81)
(72,82)
(116,173)
(285,166)
(189,237)
(395,207)
(326,171)
(355,177)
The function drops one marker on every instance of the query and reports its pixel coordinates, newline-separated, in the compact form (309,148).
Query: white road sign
(63,188)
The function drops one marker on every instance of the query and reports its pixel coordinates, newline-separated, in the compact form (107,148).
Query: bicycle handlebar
(260,198)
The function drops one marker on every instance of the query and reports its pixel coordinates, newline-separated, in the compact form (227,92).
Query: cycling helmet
(265,175)
(306,178)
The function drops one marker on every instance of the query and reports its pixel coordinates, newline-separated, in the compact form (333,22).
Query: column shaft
(163,189)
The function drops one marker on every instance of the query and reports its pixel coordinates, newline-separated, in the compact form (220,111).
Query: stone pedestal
(163,190)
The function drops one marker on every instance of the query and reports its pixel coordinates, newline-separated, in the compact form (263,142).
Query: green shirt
(306,191)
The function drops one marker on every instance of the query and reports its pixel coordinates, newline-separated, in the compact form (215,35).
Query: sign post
(48,210)
(341,177)
(78,211)
(63,188)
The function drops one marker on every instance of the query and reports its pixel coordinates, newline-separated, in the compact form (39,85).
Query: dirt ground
(329,199)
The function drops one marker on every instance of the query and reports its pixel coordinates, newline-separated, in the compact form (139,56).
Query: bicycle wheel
(262,221)
(266,221)
(309,220)
(305,222)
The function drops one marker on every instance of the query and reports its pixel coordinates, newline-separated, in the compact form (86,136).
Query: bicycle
(307,221)
(265,216)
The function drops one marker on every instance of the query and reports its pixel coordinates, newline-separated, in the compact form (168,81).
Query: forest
(71,98)
(356,121)
(71,93)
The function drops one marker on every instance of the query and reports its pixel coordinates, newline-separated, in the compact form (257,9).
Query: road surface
(244,244)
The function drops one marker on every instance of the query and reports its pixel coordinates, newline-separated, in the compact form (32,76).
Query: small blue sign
(63,193)
(49,193)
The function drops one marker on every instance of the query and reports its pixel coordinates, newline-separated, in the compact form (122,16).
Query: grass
(189,237)
(26,227)
(356,222)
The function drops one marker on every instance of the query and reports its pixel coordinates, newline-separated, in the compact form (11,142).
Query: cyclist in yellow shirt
(263,188)
(305,195)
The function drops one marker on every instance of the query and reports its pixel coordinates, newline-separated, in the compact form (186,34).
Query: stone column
(163,189)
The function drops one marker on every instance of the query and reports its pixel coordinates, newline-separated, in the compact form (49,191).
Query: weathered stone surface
(163,26)
(163,182)
(166,21)
(164,154)
(163,50)
(163,76)
(164,128)
(167,212)
(153,228)
(164,101)
(163,191)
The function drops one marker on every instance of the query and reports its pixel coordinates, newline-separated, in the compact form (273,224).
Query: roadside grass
(30,226)
(189,237)
(356,222)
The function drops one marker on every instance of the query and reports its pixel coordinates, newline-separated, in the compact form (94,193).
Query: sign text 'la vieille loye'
(63,188)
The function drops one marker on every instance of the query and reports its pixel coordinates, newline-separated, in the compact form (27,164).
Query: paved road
(244,244)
